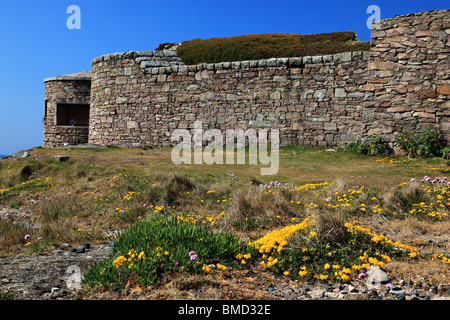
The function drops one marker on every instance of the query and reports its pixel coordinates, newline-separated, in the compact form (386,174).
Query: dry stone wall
(311,100)
(140,97)
(409,74)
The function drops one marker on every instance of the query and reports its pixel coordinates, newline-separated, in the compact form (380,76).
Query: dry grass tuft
(330,226)
(401,198)
(254,206)
(176,188)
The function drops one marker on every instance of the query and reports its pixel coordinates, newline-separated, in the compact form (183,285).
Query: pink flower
(361,276)
(388,285)
(193,257)
(27,236)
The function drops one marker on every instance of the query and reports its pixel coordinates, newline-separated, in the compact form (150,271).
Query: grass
(265,46)
(324,217)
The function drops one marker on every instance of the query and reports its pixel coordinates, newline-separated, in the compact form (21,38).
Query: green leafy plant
(374,146)
(425,144)
(156,246)
(446,153)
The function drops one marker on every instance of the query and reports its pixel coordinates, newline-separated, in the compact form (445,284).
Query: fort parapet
(138,98)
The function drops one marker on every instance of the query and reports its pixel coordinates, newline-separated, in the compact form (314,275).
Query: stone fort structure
(138,98)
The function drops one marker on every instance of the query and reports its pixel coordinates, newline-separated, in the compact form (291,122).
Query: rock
(81,250)
(445,89)
(401,296)
(306,288)
(20,154)
(380,65)
(352,289)
(61,158)
(340,93)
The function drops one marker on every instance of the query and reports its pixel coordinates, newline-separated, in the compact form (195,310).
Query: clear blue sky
(35,42)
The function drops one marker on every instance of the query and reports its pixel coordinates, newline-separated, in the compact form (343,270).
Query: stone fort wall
(139,97)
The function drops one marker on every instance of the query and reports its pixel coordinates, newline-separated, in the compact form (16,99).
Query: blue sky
(35,42)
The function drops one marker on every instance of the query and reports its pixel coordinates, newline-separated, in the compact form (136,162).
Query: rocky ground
(48,276)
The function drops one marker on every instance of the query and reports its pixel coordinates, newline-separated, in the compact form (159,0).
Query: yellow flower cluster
(321,276)
(101,198)
(41,184)
(270,261)
(119,261)
(206,268)
(343,274)
(158,251)
(381,238)
(209,268)
(221,266)
(242,257)
(130,195)
(277,239)
(303,272)
(132,256)
(346,198)
(440,256)
(310,186)
(190,218)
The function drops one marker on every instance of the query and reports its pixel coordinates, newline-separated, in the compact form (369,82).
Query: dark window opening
(45,110)
(72,115)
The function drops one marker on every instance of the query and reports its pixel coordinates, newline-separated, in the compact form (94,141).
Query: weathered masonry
(139,97)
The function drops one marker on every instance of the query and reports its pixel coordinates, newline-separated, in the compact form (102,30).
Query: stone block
(329,126)
(402,108)
(121,80)
(427,94)
(295,62)
(340,93)
(445,89)
(423,115)
(381,65)
(317,59)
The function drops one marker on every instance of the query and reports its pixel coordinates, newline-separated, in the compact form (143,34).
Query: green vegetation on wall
(265,46)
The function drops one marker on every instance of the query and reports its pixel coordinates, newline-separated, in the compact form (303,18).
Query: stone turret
(67,105)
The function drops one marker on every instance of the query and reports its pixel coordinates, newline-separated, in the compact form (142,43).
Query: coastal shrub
(157,246)
(425,144)
(374,146)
